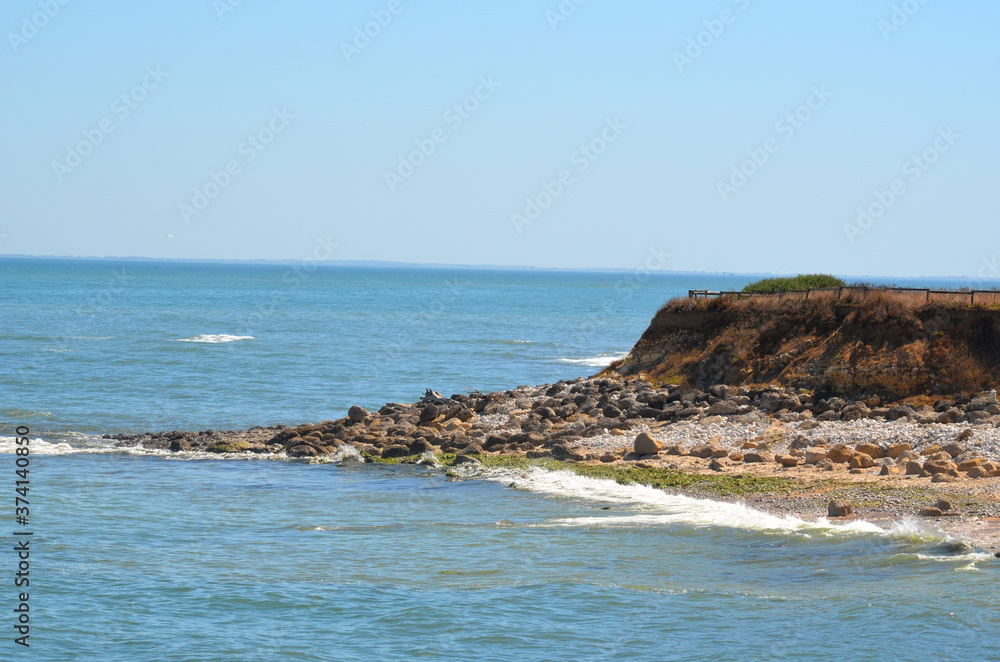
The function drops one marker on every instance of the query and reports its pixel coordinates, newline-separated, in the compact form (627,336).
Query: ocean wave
(650,506)
(219,338)
(504,341)
(595,361)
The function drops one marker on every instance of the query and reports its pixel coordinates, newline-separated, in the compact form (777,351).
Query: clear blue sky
(612,75)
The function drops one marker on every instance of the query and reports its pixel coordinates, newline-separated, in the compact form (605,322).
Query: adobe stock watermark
(786,127)
(249,149)
(581,159)
(116,285)
(699,43)
(562,12)
(900,16)
(454,117)
(323,251)
(363,35)
(913,169)
(122,107)
(989,270)
(37,21)
(223,7)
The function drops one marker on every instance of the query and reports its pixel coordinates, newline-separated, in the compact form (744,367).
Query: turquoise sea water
(143,556)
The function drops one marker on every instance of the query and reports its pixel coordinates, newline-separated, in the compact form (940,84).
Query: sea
(144,555)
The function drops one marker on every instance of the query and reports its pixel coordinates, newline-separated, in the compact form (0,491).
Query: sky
(856,137)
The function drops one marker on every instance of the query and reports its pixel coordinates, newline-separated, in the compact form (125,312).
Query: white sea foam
(595,361)
(650,506)
(218,338)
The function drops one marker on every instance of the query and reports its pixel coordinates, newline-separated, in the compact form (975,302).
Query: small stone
(825,465)
(737,456)
(759,456)
(887,470)
(930,511)
(839,508)
(608,457)
(943,478)
(466,459)
(914,468)
(943,504)
(646,445)
(676,449)
(930,450)
(702,451)
(716,465)
(178,445)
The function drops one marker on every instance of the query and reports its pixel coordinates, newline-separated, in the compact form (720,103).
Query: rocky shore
(784,450)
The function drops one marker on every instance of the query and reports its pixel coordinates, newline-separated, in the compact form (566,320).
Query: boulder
(887,470)
(787,460)
(930,450)
(964,435)
(978,472)
(862,461)
(302,450)
(428,414)
(895,450)
(357,414)
(943,478)
(676,449)
(964,465)
(702,451)
(756,456)
(954,449)
(930,511)
(871,450)
(646,445)
(716,465)
(943,504)
(914,468)
(723,408)
(718,452)
(815,455)
(736,456)
(420,446)
(178,445)
(938,466)
(840,454)
(839,508)
(395,450)
(466,459)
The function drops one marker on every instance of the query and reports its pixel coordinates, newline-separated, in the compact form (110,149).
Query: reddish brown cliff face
(884,345)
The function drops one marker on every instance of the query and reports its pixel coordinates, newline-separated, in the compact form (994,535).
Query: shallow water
(151,558)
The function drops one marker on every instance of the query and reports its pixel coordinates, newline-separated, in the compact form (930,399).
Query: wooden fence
(971,297)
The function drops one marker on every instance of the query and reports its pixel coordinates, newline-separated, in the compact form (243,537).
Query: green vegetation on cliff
(800,282)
